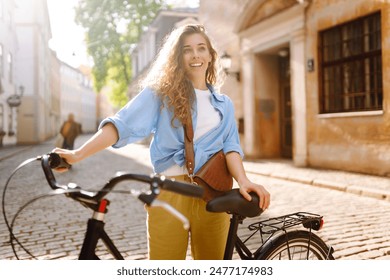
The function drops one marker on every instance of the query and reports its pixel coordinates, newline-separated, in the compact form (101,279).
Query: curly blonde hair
(167,76)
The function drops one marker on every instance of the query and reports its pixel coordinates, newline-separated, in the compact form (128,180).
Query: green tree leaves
(112,28)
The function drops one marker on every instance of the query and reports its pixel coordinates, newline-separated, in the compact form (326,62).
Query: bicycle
(279,237)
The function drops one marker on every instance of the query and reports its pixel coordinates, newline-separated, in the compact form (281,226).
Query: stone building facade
(313,78)
(10,98)
(78,97)
(33,69)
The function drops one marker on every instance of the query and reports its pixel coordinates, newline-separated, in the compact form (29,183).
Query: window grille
(351,66)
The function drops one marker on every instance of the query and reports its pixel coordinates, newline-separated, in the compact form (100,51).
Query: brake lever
(172,210)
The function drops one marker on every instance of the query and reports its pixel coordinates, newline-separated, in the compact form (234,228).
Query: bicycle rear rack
(266,229)
(272,225)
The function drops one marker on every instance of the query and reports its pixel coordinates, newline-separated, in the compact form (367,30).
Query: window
(351,66)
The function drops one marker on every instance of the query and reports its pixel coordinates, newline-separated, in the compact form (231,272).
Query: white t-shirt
(208,118)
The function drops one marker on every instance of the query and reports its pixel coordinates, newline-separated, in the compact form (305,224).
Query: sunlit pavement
(356,207)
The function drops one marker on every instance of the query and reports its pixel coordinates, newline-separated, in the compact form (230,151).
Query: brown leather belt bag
(214,175)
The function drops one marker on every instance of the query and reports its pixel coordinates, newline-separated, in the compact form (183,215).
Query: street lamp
(226,62)
(14,101)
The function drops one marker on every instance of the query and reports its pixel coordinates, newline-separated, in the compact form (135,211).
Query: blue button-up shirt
(144,115)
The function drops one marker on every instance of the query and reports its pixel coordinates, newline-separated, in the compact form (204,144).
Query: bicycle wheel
(296,245)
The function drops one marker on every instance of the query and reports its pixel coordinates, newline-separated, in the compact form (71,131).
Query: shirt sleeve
(137,119)
(231,138)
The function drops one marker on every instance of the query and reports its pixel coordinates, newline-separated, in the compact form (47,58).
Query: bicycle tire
(293,245)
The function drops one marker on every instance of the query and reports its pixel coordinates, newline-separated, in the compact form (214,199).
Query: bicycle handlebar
(53,160)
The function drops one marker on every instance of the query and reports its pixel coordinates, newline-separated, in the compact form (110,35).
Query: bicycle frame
(271,244)
(233,241)
(95,231)
(232,203)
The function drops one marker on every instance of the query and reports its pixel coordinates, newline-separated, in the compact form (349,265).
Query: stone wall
(349,141)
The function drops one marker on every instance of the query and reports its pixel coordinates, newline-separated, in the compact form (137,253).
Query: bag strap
(189,146)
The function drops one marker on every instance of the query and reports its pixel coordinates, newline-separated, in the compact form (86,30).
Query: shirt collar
(217,96)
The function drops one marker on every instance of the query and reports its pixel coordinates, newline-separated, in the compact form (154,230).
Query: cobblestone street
(356,216)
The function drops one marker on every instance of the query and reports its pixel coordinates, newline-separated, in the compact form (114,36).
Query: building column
(248,103)
(298,96)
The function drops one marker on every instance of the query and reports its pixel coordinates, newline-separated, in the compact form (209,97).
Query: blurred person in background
(70,129)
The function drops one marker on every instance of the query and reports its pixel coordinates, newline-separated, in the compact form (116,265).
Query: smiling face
(196,59)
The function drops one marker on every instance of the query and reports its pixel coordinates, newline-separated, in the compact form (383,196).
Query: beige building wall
(253,33)
(349,141)
(78,97)
(33,71)
(220,18)
(55,90)
(259,34)
(8,82)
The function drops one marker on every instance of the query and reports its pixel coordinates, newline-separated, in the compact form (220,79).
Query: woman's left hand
(236,169)
(264,195)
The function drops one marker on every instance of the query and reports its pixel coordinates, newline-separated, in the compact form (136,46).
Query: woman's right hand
(70,156)
(103,138)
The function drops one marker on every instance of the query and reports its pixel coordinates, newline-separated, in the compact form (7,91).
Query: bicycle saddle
(233,202)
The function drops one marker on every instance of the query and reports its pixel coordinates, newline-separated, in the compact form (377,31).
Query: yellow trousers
(167,238)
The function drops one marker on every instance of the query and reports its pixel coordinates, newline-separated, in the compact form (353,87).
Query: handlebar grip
(56,161)
(183,188)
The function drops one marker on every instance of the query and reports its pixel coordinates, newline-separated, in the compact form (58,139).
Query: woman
(183,73)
